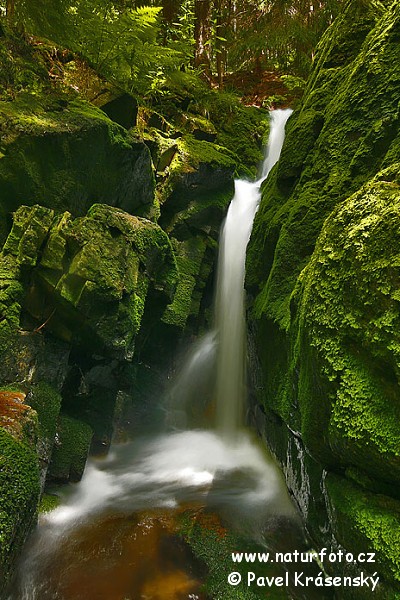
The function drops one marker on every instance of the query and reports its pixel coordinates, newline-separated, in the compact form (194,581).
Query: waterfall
(71,551)
(275,140)
(230,312)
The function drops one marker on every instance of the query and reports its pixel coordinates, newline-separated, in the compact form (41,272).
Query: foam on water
(168,470)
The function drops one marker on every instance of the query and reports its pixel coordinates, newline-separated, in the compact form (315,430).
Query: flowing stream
(114,535)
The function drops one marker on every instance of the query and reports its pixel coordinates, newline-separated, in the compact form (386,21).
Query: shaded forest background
(148,48)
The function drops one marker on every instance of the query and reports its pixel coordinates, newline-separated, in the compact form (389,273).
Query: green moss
(71,449)
(11,295)
(366,522)
(323,267)
(88,277)
(201,151)
(46,401)
(19,493)
(241,129)
(69,158)
(237,128)
(357,104)
(30,228)
(330,150)
(189,255)
(48,502)
(349,307)
(214,545)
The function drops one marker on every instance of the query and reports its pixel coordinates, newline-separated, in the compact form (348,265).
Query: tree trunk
(218,45)
(10,10)
(202,35)
(170,10)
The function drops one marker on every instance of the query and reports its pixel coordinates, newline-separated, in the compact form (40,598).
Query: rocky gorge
(110,216)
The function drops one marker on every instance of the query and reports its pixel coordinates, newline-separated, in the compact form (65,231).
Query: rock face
(68,155)
(322,267)
(90,275)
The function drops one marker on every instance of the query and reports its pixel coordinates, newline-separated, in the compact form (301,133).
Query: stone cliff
(322,269)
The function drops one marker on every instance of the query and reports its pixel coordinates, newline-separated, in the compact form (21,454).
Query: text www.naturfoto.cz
(304,557)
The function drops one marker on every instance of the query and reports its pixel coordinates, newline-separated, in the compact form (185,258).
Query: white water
(230,310)
(275,140)
(238,480)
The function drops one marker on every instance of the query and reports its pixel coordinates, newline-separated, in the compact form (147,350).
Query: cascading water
(86,548)
(230,314)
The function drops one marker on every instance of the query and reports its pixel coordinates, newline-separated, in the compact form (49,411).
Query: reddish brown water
(116,534)
(124,558)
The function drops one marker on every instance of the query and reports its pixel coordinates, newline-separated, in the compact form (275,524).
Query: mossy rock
(48,502)
(290,272)
(323,258)
(189,255)
(46,401)
(190,107)
(19,485)
(349,306)
(366,522)
(90,275)
(358,106)
(194,168)
(68,158)
(71,449)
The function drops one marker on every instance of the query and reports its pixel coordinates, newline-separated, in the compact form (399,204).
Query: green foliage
(120,43)
(276,35)
(22,67)
(137,46)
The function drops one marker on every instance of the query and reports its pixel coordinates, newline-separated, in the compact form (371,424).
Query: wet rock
(322,266)
(72,443)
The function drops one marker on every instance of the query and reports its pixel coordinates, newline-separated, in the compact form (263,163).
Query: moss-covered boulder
(89,276)
(19,479)
(190,107)
(46,401)
(72,445)
(322,268)
(190,256)
(197,191)
(349,319)
(366,522)
(67,154)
